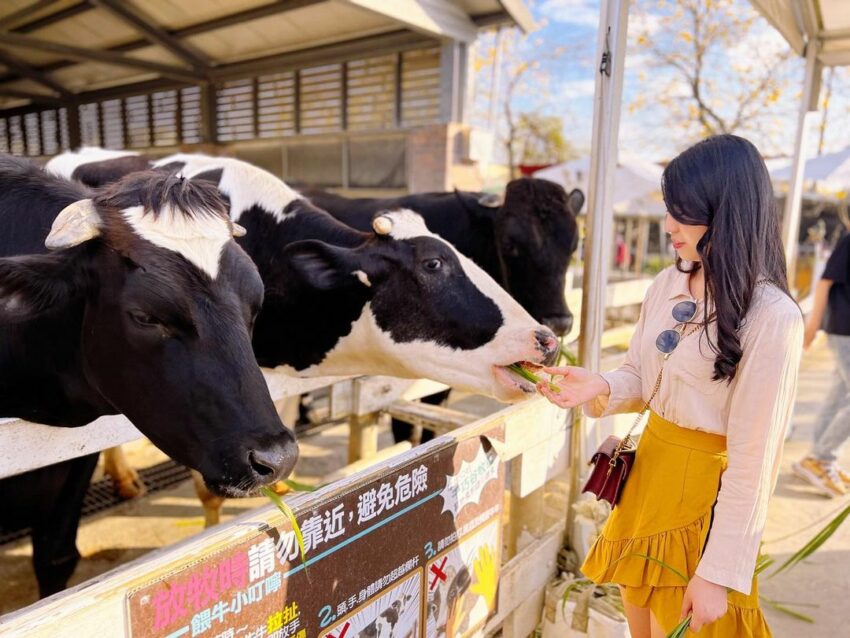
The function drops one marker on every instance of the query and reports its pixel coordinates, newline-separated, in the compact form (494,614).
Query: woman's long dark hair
(722,183)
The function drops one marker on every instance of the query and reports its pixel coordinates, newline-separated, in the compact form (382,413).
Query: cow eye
(143,319)
(433,264)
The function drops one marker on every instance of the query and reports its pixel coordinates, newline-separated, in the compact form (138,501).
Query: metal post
(611,53)
(808,105)
(72,113)
(450,81)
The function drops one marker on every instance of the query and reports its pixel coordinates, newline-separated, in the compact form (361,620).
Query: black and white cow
(339,301)
(145,307)
(394,299)
(525,242)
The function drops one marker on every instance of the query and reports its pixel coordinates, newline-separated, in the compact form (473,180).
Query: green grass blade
(576,585)
(295,486)
(568,356)
(786,610)
(680,629)
(815,543)
(283,507)
(764,561)
(530,376)
(656,560)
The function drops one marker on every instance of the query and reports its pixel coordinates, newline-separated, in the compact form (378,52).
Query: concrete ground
(797,512)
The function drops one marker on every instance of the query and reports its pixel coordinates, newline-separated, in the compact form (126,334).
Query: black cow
(144,308)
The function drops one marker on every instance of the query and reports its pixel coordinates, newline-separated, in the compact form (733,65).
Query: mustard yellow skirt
(665,512)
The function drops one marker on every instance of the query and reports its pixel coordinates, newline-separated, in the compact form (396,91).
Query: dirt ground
(797,512)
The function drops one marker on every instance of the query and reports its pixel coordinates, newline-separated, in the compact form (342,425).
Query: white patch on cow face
(200,238)
(245,184)
(64,164)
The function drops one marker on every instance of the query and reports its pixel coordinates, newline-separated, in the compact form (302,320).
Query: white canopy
(832,168)
(637,183)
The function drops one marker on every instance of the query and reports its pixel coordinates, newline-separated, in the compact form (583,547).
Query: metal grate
(101,495)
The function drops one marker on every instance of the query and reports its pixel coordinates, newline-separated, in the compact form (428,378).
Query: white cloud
(581,12)
(644,23)
(579,88)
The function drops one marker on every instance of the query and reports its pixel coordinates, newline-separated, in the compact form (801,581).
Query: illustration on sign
(371,552)
(462,584)
(395,614)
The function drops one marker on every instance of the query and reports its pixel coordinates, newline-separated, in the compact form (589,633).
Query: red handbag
(611,463)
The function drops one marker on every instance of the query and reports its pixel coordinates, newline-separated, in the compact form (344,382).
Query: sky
(568,92)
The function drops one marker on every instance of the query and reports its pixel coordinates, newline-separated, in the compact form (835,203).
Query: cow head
(420,309)
(167,302)
(537,234)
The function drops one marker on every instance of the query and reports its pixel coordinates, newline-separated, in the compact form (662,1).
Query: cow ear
(575,200)
(491,200)
(34,284)
(75,224)
(322,266)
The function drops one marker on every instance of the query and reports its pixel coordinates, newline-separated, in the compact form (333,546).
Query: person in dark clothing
(831,312)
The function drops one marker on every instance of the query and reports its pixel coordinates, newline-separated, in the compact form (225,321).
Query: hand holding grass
(574,387)
(704,602)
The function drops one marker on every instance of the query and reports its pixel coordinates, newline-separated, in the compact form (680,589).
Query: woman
(715,356)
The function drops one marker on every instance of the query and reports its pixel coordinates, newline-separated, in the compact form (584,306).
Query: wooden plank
(526,574)
(436,18)
(100,602)
(541,462)
(363,464)
(27,445)
(374,393)
(432,417)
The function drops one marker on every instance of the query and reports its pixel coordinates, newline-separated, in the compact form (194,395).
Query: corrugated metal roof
(199,38)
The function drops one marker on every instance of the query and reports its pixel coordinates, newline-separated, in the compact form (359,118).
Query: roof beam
(281,6)
(97,55)
(146,25)
(22,68)
(325,54)
(436,18)
(13,19)
(56,16)
(37,98)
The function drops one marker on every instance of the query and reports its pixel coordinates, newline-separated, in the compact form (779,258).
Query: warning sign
(410,554)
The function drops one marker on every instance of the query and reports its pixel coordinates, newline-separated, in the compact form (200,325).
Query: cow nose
(273,462)
(559,324)
(548,345)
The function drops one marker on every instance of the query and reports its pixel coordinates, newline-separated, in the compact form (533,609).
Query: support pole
(808,106)
(611,53)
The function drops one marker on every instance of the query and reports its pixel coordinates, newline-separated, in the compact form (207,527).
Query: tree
(540,139)
(512,96)
(712,66)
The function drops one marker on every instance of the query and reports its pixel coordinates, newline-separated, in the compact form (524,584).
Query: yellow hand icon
(486,576)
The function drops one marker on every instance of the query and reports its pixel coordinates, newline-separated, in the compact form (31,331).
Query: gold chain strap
(626,442)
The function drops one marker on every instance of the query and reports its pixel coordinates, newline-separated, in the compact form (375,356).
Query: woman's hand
(576,386)
(704,601)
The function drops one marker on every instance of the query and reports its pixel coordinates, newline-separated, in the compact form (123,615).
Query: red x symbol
(342,632)
(438,572)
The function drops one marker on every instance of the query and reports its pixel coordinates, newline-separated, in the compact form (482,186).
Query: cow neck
(481,245)
(42,376)
(298,326)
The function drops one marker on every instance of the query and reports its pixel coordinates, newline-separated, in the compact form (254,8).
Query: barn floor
(129,530)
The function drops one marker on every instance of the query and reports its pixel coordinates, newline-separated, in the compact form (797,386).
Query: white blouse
(753,411)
